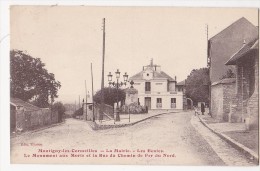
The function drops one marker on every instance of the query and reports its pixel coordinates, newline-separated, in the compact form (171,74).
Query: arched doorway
(189,103)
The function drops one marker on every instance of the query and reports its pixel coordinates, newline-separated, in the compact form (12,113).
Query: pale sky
(69,38)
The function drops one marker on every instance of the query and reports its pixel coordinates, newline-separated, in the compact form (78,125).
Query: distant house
(25,116)
(220,48)
(156,89)
(187,102)
(245,103)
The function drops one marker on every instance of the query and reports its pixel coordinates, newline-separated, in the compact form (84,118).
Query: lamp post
(117,84)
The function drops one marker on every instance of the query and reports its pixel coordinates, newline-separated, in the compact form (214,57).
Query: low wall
(27,120)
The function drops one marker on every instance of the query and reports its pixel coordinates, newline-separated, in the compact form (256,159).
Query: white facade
(156,89)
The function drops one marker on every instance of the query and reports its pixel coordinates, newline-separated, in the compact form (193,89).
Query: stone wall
(20,120)
(247,89)
(221,99)
(253,101)
(228,93)
(27,120)
(245,104)
(217,101)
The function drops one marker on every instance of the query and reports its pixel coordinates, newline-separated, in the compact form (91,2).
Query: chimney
(151,62)
(175,78)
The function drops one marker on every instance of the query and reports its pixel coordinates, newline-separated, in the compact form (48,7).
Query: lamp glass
(109,77)
(117,73)
(125,77)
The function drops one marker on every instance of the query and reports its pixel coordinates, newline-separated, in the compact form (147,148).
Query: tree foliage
(30,80)
(110,96)
(78,112)
(59,107)
(197,85)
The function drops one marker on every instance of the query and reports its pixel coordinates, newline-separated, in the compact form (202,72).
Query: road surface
(170,139)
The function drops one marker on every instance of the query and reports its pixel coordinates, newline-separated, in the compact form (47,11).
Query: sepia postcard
(107,85)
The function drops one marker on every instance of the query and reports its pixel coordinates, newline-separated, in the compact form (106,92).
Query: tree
(78,112)
(197,85)
(59,107)
(110,96)
(30,80)
(229,74)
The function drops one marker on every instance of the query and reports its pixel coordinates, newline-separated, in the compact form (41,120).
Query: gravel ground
(174,139)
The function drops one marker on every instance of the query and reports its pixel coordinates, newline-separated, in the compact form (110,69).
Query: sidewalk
(128,120)
(235,134)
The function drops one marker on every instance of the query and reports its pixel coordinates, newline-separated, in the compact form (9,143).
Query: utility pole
(75,105)
(208,65)
(86,91)
(102,79)
(86,99)
(93,105)
(79,101)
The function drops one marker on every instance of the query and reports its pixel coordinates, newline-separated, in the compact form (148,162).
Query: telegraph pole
(102,79)
(79,101)
(208,65)
(86,91)
(93,105)
(86,99)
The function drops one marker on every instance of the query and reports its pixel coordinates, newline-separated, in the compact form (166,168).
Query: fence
(108,110)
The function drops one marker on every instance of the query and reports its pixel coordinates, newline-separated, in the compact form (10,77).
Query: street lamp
(117,84)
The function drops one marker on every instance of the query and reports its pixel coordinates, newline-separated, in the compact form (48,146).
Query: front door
(147,101)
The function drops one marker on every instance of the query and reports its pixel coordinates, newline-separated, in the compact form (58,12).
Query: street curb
(245,150)
(95,126)
(36,130)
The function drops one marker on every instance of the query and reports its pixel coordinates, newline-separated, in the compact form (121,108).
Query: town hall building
(156,89)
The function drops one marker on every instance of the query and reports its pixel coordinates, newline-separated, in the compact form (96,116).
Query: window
(147,86)
(159,103)
(173,102)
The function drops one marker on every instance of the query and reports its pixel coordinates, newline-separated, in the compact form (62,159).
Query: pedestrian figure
(202,108)
(196,110)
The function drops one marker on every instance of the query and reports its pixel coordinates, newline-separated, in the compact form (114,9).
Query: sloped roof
(238,23)
(253,45)
(226,43)
(27,106)
(156,74)
(139,75)
(182,83)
